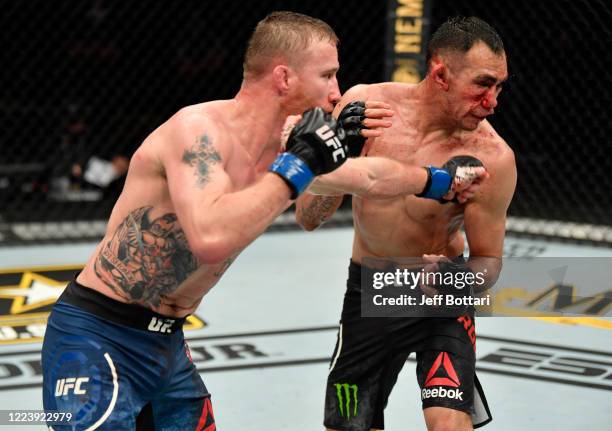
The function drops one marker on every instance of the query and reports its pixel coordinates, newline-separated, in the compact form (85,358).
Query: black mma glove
(315,147)
(351,120)
(440,180)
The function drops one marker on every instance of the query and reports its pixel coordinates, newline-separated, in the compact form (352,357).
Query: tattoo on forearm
(202,156)
(145,259)
(320,209)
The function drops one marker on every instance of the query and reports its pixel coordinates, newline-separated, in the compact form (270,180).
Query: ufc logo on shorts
(161,325)
(453,394)
(329,136)
(65,386)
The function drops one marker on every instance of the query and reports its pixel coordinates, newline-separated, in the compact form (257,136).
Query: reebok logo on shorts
(451,378)
(442,373)
(454,394)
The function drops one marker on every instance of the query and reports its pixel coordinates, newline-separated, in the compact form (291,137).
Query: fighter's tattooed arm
(145,258)
(202,155)
(314,210)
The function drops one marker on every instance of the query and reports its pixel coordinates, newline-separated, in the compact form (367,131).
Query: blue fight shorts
(117,366)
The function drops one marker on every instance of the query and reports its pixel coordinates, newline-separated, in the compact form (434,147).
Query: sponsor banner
(545,362)
(26,298)
(408,27)
(20,369)
(299,347)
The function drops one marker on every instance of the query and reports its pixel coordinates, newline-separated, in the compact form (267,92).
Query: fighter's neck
(258,120)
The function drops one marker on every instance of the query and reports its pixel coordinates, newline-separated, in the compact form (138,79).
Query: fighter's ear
(281,77)
(439,72)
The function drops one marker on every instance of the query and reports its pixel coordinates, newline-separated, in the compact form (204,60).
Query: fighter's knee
(371,429)
(449,424)
(444,419)
(446,426)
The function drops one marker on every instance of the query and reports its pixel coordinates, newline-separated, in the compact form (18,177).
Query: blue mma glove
(440,180)
(315,147)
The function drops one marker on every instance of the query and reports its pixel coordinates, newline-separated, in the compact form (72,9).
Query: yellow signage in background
(407,70)
(26,298)
(408,27)
(550,304)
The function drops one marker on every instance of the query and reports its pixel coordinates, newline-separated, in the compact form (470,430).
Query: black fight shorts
(371,351)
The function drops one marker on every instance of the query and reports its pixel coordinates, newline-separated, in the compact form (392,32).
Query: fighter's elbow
(304,218)
(212,250)
(307,225)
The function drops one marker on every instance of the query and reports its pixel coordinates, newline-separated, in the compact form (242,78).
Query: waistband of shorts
(354,273)
(132,315)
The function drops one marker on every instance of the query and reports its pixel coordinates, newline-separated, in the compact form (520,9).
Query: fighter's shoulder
(497,152)
(392,90)
(194,127)
(498,159)
(376,91)
(357,92)
(193,119)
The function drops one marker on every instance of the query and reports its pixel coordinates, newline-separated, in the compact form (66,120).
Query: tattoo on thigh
(145,259)
(202,156)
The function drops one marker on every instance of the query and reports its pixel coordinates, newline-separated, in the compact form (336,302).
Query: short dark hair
(283,33)
(459,34)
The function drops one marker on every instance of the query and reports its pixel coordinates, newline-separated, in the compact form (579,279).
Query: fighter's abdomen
(146,258)
(404,228)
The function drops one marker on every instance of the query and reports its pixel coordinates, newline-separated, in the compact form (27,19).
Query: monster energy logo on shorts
(343,391)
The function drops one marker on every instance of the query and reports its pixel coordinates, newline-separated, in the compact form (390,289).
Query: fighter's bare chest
(405,148)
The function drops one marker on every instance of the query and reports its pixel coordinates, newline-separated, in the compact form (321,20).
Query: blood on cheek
(477,100)
(475,97)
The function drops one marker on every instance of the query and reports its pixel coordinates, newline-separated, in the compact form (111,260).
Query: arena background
(84,82)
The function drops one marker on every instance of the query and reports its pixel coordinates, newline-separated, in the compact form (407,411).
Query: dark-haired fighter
(435,120)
